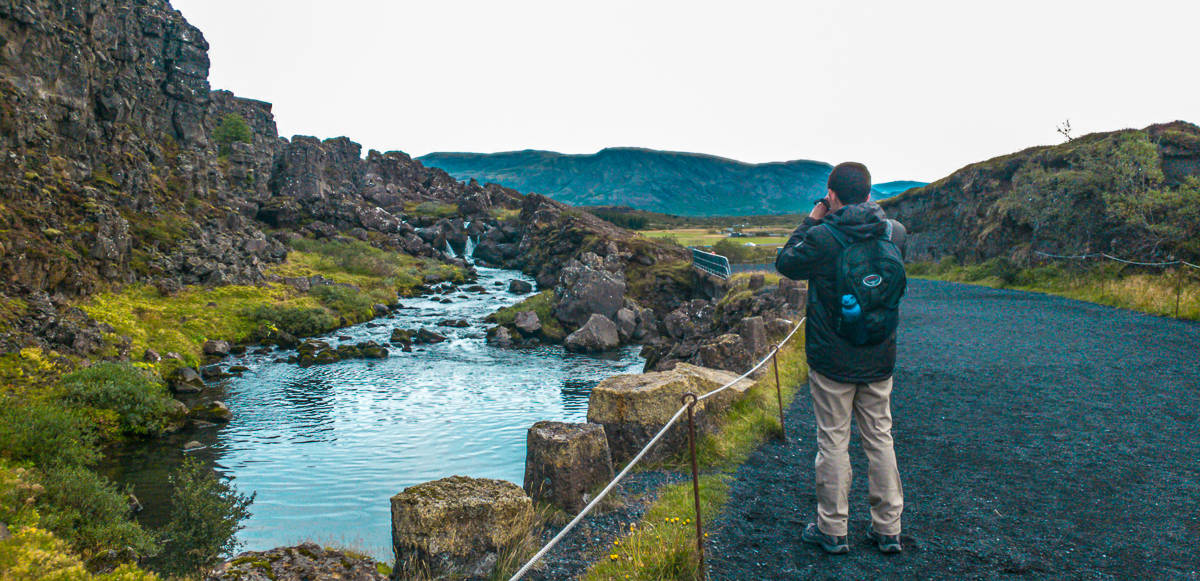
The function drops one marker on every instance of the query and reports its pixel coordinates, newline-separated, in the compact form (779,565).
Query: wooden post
(779,395)
(691,406)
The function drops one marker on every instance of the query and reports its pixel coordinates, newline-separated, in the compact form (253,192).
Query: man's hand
(820,210)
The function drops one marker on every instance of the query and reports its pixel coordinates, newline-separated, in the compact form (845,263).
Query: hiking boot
(832,545)
(886,543)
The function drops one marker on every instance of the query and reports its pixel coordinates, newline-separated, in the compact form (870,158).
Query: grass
(182,322)
(708,237)
(542,304)
(1105,283)
(663,544)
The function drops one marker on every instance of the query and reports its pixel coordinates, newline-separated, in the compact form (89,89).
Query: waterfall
(450,250)
(469,249)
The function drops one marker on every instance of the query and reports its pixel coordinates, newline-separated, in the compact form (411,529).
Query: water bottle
(852,327)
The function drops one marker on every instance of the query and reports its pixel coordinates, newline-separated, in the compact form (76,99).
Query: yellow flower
(617,542)
(614,556)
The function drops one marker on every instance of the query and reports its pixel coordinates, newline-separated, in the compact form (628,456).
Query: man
(850,368)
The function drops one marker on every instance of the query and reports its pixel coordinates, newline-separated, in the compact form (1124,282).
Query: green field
(708,237)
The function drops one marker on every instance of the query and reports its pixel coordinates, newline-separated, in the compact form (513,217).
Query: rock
(626,324)
(216,348)
(457,527)
(151,356)
(500,337)
(779,327)
(212,372)
(458,323)
(373,350)
(726,352)
(186,380)
(583,291)
(754,336)
(519,287)
(213,411)
(380,309)
(402,336)
(425,336)
(598,334)
(528,323)
(632,408)
(565,462)
(192,445)
(757,281)
(306,562)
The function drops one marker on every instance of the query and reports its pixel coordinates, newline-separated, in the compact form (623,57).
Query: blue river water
(325,447)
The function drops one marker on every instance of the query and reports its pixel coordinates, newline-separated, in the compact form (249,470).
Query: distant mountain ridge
(688,184)
(888,189)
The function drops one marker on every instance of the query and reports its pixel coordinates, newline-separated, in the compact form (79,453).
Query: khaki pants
(870,403)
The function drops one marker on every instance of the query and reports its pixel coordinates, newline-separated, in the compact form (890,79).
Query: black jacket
(811,253)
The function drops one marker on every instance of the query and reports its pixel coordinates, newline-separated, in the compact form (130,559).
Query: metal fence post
(691,407)
(779,395)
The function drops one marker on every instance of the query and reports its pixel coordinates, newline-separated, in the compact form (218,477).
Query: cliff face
(1126,192)
(121,165)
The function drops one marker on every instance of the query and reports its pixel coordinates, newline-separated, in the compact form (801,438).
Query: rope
(678,413)
(1111,257)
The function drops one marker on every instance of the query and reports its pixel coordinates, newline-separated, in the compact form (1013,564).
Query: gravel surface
(1038,437)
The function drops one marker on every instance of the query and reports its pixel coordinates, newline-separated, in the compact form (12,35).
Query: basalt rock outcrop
(566,462)
(1059,199)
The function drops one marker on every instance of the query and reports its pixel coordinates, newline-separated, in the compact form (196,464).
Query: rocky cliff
(1133,193)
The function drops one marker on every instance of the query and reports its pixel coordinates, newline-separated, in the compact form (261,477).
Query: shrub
(297,321)
(46,435)
(344,299)
(231,129)
(140,400)
(206,512)
(91,513)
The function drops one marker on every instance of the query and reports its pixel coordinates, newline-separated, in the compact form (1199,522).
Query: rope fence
(1178,282)
(689,403)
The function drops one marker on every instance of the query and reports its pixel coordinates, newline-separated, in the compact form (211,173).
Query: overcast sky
(913,89)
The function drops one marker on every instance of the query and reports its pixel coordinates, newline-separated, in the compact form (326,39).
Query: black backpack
(873,271)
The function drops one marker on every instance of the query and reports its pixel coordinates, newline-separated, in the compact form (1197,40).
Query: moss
(431,209)
(542,304)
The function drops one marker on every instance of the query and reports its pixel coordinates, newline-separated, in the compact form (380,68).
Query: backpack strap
(838,235)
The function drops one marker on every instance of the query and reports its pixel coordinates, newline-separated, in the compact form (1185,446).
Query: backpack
(873,271)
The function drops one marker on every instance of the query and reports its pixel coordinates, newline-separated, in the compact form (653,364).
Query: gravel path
(1037,436)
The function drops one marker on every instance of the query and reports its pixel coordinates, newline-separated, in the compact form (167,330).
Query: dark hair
(851,182)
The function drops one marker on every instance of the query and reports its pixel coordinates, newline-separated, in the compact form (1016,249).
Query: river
(325,447)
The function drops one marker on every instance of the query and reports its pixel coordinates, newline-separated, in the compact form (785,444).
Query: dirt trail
(1038,437)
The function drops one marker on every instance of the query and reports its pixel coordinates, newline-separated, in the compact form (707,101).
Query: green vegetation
(182,322)
(663,545)
(542,304)
(1107,283)
(232,128)
(431,209)
(135,398)
(737,252)
(205,514)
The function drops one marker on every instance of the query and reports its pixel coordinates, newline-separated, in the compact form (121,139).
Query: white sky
(914,89)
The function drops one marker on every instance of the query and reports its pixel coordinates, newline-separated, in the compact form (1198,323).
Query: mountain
(1133,193)
(688,184)
(888,189)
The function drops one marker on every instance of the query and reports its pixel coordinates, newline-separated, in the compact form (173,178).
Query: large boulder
(754,335)
(583,291)
(627,322)
(186,380)
(726,352)
(527,322)
(565,462)
(457,527)
(305,562)
(598,334)
(519,287)
(213,411)
(632,408)
(216,348)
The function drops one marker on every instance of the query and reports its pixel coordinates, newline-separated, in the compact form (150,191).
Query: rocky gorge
(151,221)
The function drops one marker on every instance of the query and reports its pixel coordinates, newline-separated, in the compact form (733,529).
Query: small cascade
(469,249)
(450,250)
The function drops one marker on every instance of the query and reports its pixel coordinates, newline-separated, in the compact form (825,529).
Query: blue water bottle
(852,327)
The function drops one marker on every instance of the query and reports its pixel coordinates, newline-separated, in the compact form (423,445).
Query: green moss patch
(542,304)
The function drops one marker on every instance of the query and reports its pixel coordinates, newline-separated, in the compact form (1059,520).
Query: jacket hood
(860,221)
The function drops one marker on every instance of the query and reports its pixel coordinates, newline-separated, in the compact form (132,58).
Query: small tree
(231,129)
(206,513)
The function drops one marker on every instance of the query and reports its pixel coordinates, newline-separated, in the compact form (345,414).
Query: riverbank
(1169,293)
